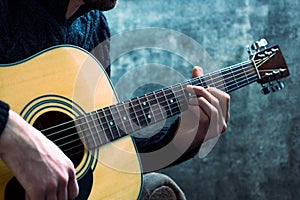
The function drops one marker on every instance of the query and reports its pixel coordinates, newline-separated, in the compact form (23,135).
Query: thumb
(197,71)
(73,188)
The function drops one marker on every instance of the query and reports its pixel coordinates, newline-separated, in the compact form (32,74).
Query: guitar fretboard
(110,123)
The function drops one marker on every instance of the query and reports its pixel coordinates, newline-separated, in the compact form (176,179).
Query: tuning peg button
(280,85)
(260,44)
(265,90)
(256,46)
(277,86)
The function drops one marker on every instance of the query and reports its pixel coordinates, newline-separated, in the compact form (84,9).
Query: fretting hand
(206,117)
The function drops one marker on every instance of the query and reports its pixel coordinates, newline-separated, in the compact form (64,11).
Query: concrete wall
(259,156)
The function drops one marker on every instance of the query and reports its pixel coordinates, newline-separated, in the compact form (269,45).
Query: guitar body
(54,87)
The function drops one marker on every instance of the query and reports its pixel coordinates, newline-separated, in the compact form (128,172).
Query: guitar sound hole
(60,129)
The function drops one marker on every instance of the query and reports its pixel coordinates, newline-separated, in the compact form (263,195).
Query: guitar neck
(110,123)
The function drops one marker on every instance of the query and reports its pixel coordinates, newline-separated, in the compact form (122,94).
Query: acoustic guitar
(64,92)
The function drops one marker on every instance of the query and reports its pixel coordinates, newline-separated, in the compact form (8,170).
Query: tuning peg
(260,44)
(265,90)
(272,87)
(256,46)
(279,85)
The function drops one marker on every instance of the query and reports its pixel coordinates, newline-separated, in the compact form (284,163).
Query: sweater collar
(58,8)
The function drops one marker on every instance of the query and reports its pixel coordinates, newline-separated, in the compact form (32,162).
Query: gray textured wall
(259,156)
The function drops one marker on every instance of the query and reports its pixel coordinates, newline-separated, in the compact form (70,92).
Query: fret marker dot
(111,123)
(149,116)
(144,103)
(171,101)
(124,118)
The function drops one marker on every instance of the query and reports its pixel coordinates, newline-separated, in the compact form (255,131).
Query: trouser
(157,186)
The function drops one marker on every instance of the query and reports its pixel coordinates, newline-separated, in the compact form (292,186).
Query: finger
(197,71)
(202,92)
(224,100)
(62,192)
(27,196)
(210,112)
(211,106)
(36,194)
(203,105)
(52,193)
(73,188)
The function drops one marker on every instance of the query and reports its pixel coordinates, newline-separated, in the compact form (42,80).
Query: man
(29,26)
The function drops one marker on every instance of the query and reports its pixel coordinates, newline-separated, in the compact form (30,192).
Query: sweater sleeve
(4,110)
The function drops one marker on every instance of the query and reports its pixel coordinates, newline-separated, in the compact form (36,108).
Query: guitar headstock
(270,65)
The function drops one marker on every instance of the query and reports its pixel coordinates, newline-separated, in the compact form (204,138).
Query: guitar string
(73,148)
(197,80)
(234,83)
(79,139)
(137,116)
(80,145)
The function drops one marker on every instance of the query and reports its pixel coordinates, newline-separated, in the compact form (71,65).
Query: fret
(242,81)
(131,116)
(134,113)
(144,114)
(208,80)
(199,81)
(124,109)
(146,108)
(150,97)
(194,81)
(244,72)
(180,94)
(202,82)
(252,74)
(156,107)
(113,129)
(172,100)
(219,81)
(120,119)
(161,103)
(232,86)
(212,84)
(185,94)
(98,131)
(166,104)
(105,125)
(235,85)
(102,134)
(86,117)
(190,82)
(86,132)
(229,80)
